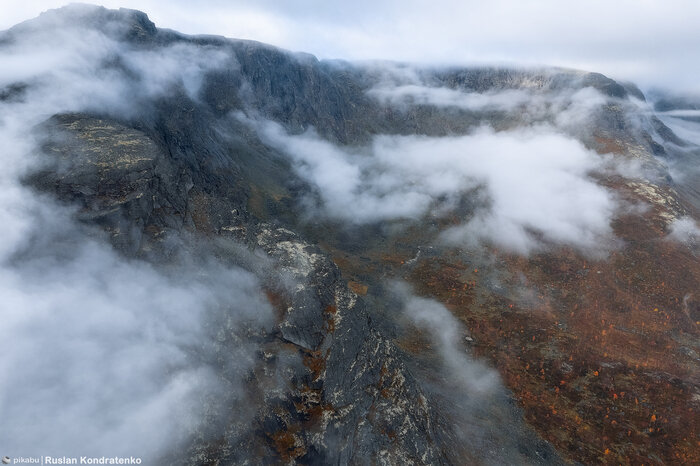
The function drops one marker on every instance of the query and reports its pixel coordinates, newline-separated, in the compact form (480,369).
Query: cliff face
(202,156)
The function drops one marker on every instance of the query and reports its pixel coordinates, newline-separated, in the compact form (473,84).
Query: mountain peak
(121,24)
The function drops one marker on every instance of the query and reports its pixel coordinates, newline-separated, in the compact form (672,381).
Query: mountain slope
(336,187)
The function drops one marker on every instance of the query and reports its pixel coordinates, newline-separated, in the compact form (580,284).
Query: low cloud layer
(686,230)
(104,355)
(480,413)
(533,184)
(688,130)
(446,333)
(110,357)
(568,108)
(416,94)
(654,43)
(80,68)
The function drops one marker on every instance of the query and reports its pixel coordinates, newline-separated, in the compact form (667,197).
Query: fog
(479,412)
(415,94)
(532,185)
(684,129)
(447,335)
(685,230)
(107,356)
(653,43)
(103,355)
(76,68)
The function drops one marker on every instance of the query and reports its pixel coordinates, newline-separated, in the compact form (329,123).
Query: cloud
(108,356)
(477,411)
(447,334)
(94,70)
(687,130)
(653,42)
(681,113)
(530,100)
(533,184)
(103,355)
(414,94)
(685,230)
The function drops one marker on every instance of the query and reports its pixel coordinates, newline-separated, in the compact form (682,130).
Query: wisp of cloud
(103,355)
(535,183)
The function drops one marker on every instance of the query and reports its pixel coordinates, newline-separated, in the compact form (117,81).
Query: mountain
(221,252)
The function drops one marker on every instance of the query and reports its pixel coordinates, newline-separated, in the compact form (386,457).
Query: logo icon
(5,460)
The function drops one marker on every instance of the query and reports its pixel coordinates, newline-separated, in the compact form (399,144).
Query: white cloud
(681,113)
(72,58)
(652,42)
(685,230)
(447,334)
(535,182)
(102,355)
(688,130)
(416,94)
(105,356)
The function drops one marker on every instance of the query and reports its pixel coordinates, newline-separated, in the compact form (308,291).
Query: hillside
(219,251)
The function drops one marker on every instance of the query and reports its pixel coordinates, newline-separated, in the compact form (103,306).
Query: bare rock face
(348,398)
(358,401)
(116,175)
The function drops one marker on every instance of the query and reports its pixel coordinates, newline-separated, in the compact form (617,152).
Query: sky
(654,43)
